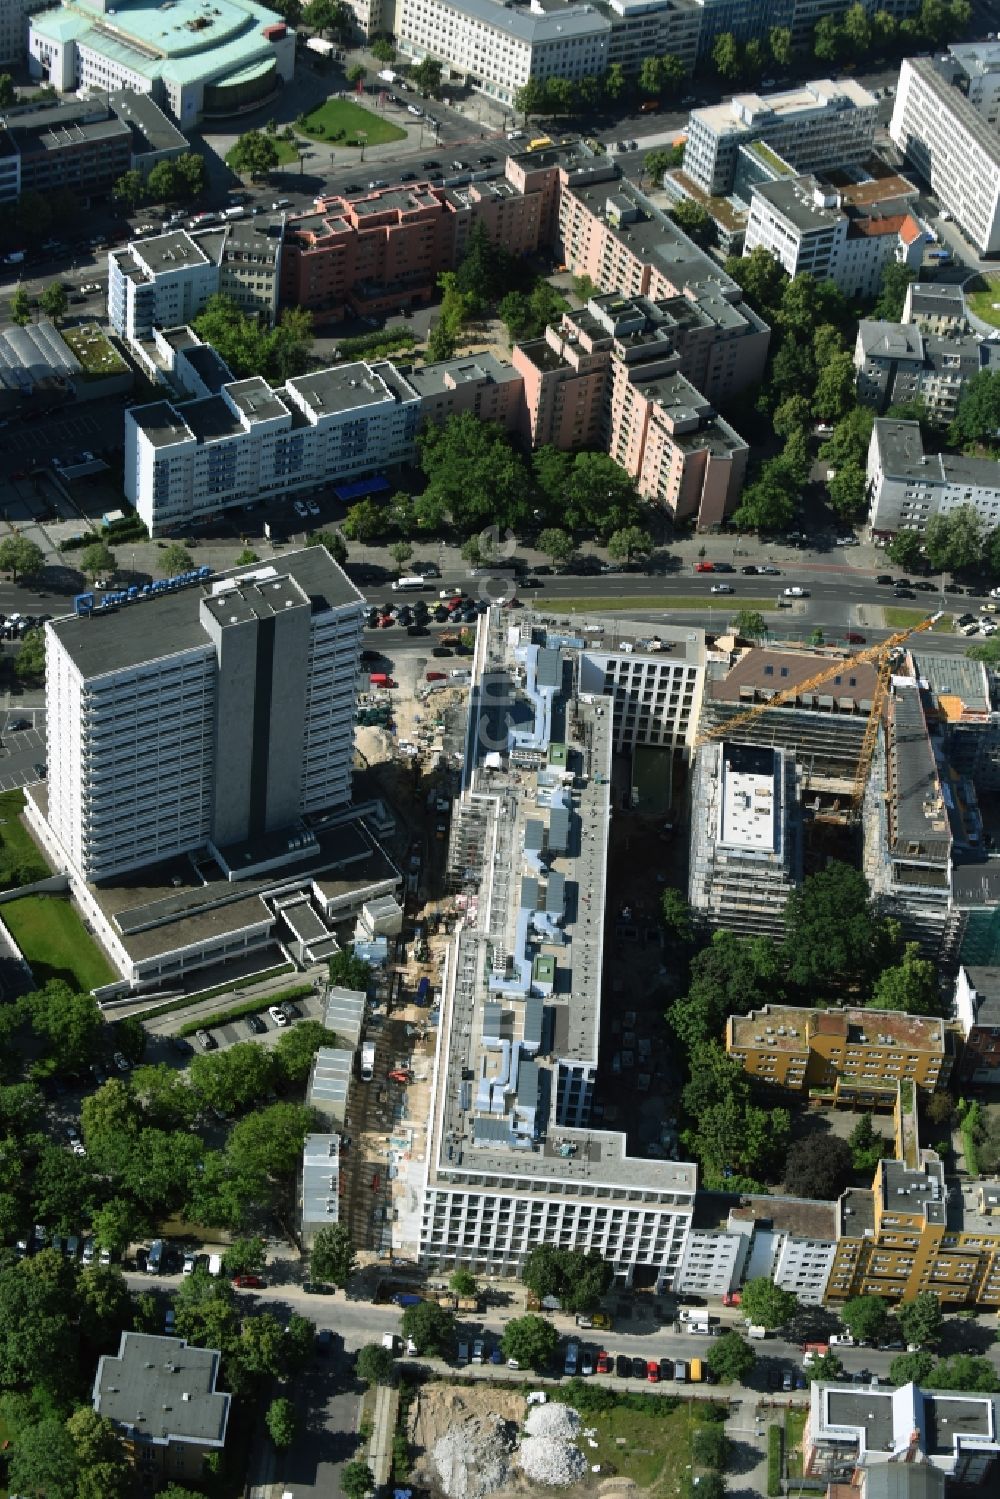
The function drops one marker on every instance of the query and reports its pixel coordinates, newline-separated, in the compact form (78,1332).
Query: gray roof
(321,1180)
(345,1013)
(211,419)
(162,1391)
(986,982)
(558,24)
(168,252)
(151,130)
(208,365)
(954,676)
(900,446)
(919,821)
(937,298)
(330,1080)
(169,623)
(161,424)
(341,388)
(792,198)
(891,340)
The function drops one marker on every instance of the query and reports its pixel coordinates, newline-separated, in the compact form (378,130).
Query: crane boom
(879,654)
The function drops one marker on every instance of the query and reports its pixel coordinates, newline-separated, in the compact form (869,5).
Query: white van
(409,585)
(235,213)
(215,1264)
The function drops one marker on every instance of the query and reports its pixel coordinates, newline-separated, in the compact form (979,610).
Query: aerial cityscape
(499,749)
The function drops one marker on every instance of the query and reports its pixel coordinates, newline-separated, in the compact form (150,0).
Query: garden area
(344,121)
(56,943)
(21,861)
(985,303)
(287,153)
(97,355)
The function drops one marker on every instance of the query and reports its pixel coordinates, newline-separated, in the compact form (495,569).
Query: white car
(847,541)
(190,1260)
(105,1256)
(300,509)
(995,593)
(312,507)
(722,588)
(795,592)
(278,1015)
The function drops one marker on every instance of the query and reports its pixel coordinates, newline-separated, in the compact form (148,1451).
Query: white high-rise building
(949,133)
(211,716)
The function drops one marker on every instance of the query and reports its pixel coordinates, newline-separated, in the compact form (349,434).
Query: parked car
(638,1368)
(278,1015)
(255,1025)
(205,1040)
(249,1282)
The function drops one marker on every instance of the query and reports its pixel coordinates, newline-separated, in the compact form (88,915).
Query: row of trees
(53,301)
(249,346)
(178,180)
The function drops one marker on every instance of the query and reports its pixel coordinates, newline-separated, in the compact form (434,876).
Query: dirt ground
(439,1407)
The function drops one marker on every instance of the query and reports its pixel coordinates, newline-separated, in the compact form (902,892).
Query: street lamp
(363,141)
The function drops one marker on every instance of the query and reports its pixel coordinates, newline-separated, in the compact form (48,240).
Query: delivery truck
(367,1061)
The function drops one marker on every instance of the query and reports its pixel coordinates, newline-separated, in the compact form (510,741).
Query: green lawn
(667,602)
(15,841)
(341,115)
(795,1420)
(55,942)
(287,152)
(986,304)
(650,1448)
(92,348)
(902,619)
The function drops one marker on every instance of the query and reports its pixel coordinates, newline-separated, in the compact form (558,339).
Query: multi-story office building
(809,226)
(897,362)
(852,1054)
(752,20)
(785,1239)
(651,28)
(386,249)
(514,1157)
(498,48)
(826,123)
(655,683)
(881,1439)
(974,68)
(951,142)
(746,836)
(245,440)
(220,713)
(14,19)
(908,487)
(214,59)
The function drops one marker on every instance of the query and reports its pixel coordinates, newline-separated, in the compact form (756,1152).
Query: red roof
(910,231)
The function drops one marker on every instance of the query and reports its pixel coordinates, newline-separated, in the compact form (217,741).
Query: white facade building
(789,1240)
(908,487)
(826,123)
(213,715)
(499,47)
(656,684)
(805,226)
(161,282)
(953,143)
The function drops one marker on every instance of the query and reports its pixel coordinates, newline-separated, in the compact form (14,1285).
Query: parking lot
(21,750)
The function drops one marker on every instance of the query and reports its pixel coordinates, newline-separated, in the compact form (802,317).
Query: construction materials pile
(548,1453)
(472,1457)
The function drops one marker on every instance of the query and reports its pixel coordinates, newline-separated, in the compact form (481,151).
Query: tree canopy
(248,346)
(977,417)
(473,473)
(921,1319)
(432,1328)
(910,985)
(578,1279)
(766,1305)
(731,1358)
(332,1256)
(531,1341)
(814,1170)
(866,1318)
(833,935)
(730,976)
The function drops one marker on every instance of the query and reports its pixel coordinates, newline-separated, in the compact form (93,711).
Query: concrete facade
(898,362)
(908,487)
(944,123)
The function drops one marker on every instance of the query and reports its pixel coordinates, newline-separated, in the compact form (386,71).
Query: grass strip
(247,1007)
(774,1444)
(905,619)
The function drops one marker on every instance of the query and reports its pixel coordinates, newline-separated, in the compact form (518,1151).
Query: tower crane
(879,655)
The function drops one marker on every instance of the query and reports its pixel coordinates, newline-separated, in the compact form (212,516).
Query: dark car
(623,1367)
(638,1368)
(903,583)
(924,585)
(432,166)
(318,1288)
(750,568)
(666,1368)
(354,187)
(441,650)
(885,578)
(904,593)
(255,1025)
(487,158)
(407,176)
(854,637)
(724,567)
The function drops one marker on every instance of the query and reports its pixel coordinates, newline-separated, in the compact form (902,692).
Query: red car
(704,567)
(400,1075)
(604,1364)
(434,676)
(853,638)
(653,1371)
(376,1182)
(249,1282)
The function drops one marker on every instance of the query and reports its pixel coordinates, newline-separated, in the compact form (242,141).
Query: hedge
(199,994)
(381,341)
(248,1007)
(774,1444)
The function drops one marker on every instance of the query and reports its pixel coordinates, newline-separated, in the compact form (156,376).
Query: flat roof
(255,399)
(561,22)
(174,251)
(321,1179)
(168,623)
(801,202)
(965,115)
(919,821)
(162,424)
(750,787)
(146,120)
(960,686)
(752,112)
(344,387)
(162,1390)
(760,672)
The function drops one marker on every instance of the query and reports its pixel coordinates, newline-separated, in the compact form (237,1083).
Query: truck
(754,1331)
(367,1061)
(695,1371)
(379,679)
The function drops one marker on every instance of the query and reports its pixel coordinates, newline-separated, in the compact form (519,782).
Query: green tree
(731,1358)
(8,93)
(54,301)
(64,1188)
(896,277)
(333,541)
(833,934)
(130,189)
(963,1371)
(332,1256)
(350,972)
(282,1422)
(473,473)
(175,559)
(794,414)
(614,81)
(166,1099)
(768,502)
(331,16)
(357,1480)
(38,1334)
(710,1447)
(432,1328)
(192,174)
(818,1173)
(779,42)
(676,916)
(442,342)
(906,549)
(247,557)
(763,279)
(824,1368)
(98,560)
(911,1368)
(115,1223)
(463,1283)
(103,1468)
(921,1319)
(848,491)
(383,50)
(726,57)
(578,1279)
(656,163)
(20,557)
(988,652)
(375,1364)
(599,495)
(695,221)
(766,1305)
(66,1024)
(556,545)
(20,306)
(245,1257)
(865,1317)
(977,417)
(357,73)
(426,75)
(400,552)
(834,393)
(736,1142)
(295,1049)
(254,154)
(105,1307)
(233,1079)
(629,542)
(911,985)
(954,541)
(531,1341)
(751,624)
(867,1146)
(731,975)
(483,271)
(828,41)
(30,663)
(650,75)
(364,522)
(43,1461)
